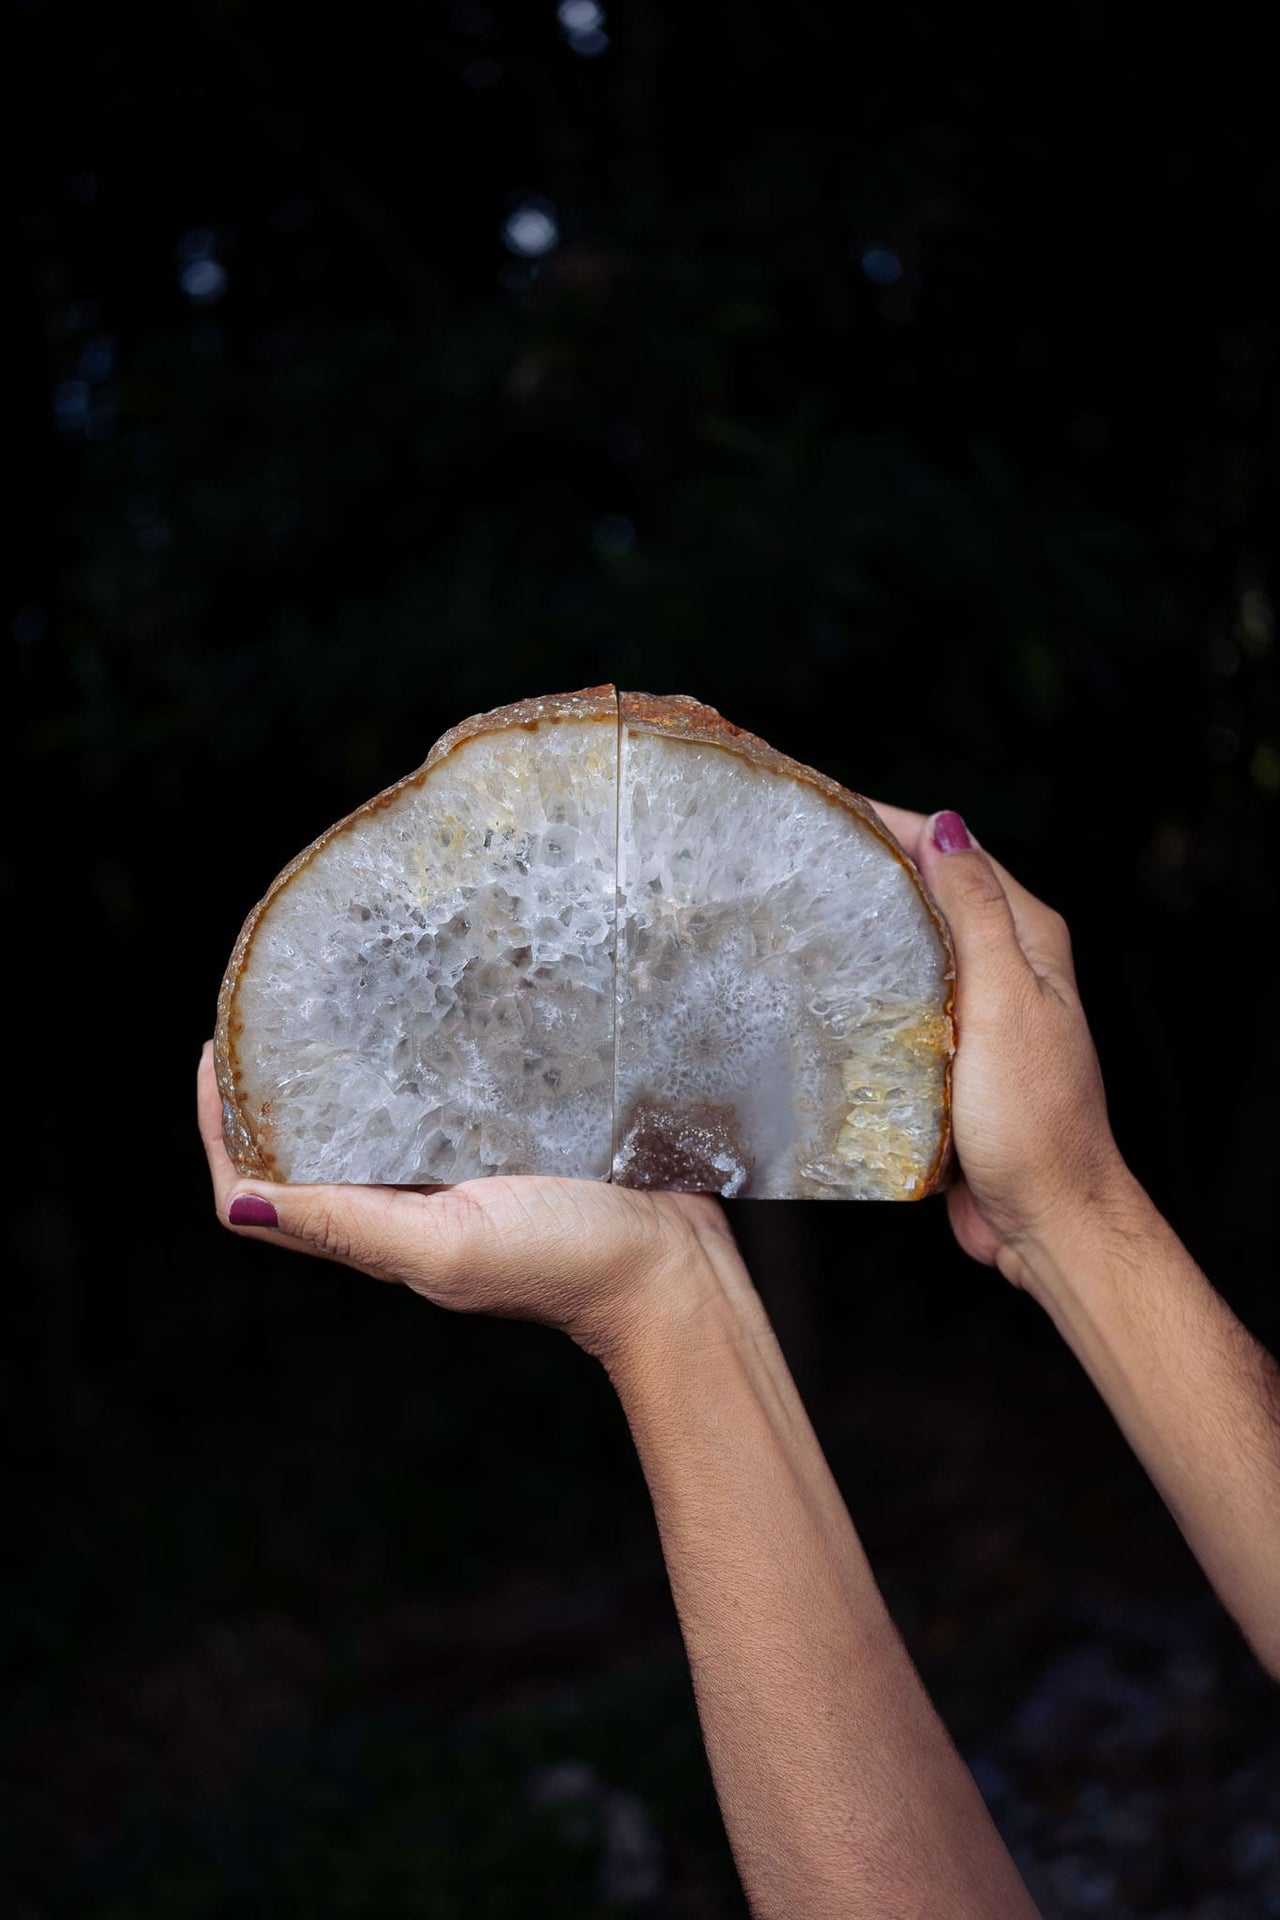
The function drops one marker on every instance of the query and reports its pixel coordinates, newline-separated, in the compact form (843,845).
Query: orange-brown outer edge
(680,716)
(250,1154)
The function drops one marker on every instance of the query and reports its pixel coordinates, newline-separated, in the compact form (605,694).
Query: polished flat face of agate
(638,946)
(430,998)
(781,986)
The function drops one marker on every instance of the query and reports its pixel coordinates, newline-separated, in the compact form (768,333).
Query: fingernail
(250,1210)
(950,834)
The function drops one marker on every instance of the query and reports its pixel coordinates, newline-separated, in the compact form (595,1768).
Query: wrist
(699,1298)
(1093,1234)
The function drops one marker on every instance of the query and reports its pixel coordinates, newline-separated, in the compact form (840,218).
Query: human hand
(1029,1113)
(581,1255)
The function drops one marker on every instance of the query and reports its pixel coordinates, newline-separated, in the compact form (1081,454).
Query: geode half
(601,936)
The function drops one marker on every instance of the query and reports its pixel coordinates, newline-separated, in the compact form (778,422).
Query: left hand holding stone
(581,1255)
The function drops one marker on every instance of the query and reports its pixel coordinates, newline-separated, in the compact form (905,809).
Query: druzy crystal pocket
(596,936)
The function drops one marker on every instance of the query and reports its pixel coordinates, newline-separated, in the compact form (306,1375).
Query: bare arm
(1046,1198)
(1195,1395)
(842,1793)
(843,1796)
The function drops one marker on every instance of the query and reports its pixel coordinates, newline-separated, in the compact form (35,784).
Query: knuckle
(1053,937)
(323,1227)
(464,1239)
(979,891)
(1057,928)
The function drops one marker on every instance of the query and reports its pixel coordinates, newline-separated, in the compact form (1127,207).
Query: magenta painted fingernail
(950,834)
(250,1210)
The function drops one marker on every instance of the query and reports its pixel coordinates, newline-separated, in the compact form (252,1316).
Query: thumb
(968,889)
(393,1233)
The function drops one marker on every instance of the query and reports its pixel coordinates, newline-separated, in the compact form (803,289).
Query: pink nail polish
(950,834)
(249,1210)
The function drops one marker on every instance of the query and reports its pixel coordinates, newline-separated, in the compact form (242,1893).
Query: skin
(841,1791)
(1046,1198)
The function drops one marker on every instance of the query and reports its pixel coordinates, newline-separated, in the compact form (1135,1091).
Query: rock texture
(426,994)
(778,962)
(597,937)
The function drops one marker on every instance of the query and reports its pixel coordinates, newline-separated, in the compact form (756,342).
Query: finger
(905,826)
(208,1100)
(209,1114)
(422,1240)
(1042,932)
(393,1233)
(967,887)
(254,1221)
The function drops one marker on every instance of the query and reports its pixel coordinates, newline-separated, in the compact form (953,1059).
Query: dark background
(901,381)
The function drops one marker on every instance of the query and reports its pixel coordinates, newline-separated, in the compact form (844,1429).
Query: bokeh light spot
(579,16)
(882,266)
(582,23)
(531,229)
(203,282)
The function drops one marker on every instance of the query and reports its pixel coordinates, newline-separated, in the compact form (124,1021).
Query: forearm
(841,1791)
(1195,1395)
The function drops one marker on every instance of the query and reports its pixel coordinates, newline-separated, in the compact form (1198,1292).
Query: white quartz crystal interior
(780,986)
(431,996)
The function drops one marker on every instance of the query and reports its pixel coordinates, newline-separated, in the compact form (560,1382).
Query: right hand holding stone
(1029,1113)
